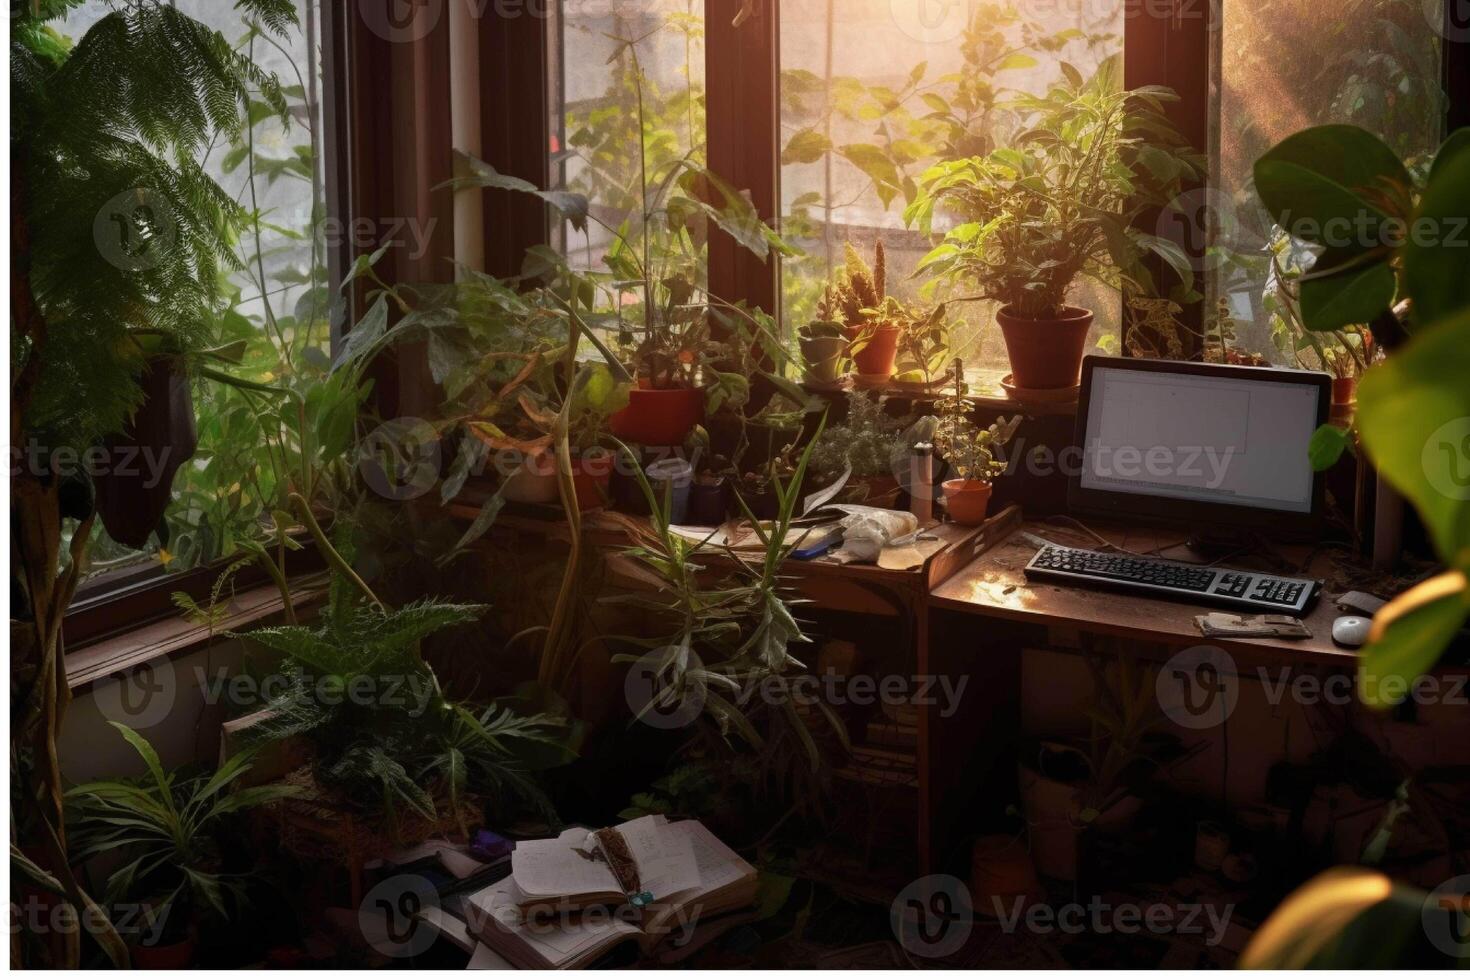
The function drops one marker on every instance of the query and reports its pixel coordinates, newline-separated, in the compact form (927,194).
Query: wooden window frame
(388,145)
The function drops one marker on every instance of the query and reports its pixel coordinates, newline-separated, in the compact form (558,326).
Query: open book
(572,899)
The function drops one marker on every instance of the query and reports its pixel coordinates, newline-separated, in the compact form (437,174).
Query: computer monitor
(1221,448)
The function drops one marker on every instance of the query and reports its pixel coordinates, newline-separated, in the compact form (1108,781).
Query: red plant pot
(591,475)
(875,357)
(174,956)
(1045,353)
(967,501)
(659,417)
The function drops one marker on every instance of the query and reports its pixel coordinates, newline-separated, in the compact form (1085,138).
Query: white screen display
(1190,437)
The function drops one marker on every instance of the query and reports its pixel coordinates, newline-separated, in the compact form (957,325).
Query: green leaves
(878,167)
(1414,418)
(805,146)
(470,172)
(1327,446)
(1436,255)
(1328,185)
(1340,188)
(1409,634)
(1357,294)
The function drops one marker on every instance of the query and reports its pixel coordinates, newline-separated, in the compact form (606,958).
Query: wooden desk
(995,585)
(983,621)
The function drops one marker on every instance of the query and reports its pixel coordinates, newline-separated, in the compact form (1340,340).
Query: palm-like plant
(403,743)
(117,227)
(115,230)
(164,828)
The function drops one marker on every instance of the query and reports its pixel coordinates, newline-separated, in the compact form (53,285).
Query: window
(1289,64)
(617,64)
(275,302)
(875,91)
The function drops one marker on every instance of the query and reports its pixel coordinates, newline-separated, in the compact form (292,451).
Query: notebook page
(556,868)
(665,856)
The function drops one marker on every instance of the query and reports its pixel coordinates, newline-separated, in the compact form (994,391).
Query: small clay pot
(879,349)
(659,418)
(534,482)
(967,501)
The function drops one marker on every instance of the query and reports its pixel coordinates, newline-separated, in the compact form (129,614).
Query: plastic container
(680,474)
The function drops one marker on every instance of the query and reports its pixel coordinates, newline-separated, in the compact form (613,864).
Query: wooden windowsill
(179,634)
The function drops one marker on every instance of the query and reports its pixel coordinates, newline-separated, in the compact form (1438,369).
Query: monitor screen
(1228,439)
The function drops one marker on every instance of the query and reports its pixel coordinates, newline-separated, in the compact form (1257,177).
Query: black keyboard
(1174,579)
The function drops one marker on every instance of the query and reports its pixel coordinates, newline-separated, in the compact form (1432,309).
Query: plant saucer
(1041,396)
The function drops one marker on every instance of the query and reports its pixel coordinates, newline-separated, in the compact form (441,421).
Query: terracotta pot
(1344,391)
(823,356)
(875,358)
(967,501)
(1001,873)
(591,473)
(534,482)
(1046,353)
(659,418)
(174,956)
(133,494)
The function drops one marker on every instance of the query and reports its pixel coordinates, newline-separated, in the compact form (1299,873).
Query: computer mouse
(1351,631)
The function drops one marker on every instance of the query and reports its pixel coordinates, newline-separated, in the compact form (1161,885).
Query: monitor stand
(1210,545)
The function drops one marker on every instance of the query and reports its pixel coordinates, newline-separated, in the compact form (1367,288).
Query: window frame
(117,602)
(387,145)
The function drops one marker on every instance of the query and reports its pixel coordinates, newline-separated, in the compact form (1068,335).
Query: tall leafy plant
(115,231)
(1060,203)
(1391,253)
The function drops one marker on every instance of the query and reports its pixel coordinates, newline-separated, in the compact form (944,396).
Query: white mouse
(1351,631)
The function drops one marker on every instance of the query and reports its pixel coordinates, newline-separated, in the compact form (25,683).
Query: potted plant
(823,345)
(970,451)
(401,764)
(869,445)
(872,326)
(163,831)
(661,317)
(1067,787)
(1345,352)
(1058,204)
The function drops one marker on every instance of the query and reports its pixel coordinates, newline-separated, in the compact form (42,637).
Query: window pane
(1290,64)
(875,91)
(276,301)
(601,84)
